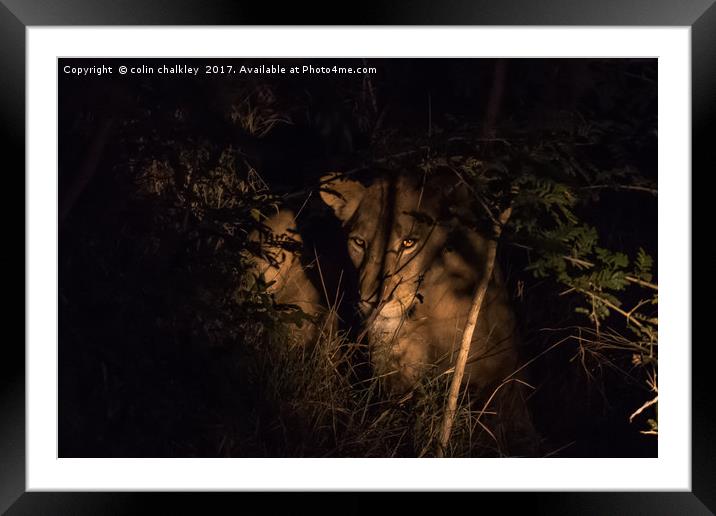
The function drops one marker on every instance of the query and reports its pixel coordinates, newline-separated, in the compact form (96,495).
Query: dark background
(128,388)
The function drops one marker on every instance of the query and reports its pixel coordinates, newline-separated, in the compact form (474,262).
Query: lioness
(418,267)
(286,276)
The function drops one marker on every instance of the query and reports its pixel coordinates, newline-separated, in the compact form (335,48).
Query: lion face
(417,271)
(285,275)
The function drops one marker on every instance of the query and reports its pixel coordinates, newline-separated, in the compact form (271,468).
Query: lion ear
(457,197)
(456,192)
(343,195)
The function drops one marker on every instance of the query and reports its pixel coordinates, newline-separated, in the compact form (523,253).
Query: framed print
(417,250)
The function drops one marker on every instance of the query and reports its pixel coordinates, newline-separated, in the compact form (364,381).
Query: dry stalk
(477,299)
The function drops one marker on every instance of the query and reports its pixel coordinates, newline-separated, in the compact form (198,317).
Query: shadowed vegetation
(171,344)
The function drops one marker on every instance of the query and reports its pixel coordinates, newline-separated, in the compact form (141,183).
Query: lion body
(418,267)
(415,299)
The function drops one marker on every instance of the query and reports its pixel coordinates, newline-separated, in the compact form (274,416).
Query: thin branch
(643,283)
(614,307)
(643,408)
(652,191)
(478,297)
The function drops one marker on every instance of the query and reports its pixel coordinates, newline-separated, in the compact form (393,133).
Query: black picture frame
(17,15)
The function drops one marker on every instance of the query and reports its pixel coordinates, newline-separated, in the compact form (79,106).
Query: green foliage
(643,264)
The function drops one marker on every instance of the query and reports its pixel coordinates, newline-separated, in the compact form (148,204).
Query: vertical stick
(495,100)
(465,343)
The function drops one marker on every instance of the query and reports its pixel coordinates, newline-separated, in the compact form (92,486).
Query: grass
(321,401)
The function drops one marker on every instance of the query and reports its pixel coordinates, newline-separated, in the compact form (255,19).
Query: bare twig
(478,297)
(636,188)
(632,279)
(643,408)
(614,307)
(654,388)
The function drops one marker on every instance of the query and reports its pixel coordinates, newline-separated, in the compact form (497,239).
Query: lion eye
(358,241)
(408,242)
